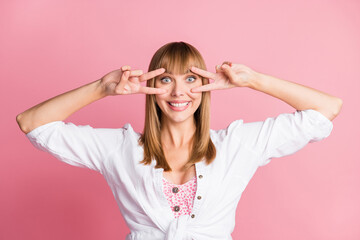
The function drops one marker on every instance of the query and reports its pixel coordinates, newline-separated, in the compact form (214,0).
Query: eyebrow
(169,72)
(165,74)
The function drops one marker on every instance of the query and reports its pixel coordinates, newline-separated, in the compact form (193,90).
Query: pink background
(49,47)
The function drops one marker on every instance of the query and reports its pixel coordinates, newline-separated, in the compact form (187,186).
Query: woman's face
(178,103)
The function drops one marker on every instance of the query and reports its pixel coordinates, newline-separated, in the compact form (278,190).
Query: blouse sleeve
(284,134)
(81,146)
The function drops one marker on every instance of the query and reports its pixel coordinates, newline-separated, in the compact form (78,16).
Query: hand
(228,75)
(124,81)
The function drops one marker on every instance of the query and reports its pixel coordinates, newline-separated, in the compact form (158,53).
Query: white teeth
(179,104)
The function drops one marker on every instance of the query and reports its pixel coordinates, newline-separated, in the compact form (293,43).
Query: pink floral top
(180,197)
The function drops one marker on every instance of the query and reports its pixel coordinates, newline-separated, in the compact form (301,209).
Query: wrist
(100,89)
(256,81)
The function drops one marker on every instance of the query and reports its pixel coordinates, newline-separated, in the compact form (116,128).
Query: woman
(179,179)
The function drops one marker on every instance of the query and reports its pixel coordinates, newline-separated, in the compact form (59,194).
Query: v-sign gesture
(126,81)
(227,75)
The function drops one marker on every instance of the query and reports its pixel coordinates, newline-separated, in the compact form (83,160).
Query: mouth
(179,106)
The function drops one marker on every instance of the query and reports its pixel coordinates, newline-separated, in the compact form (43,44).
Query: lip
(178,101)
(179,108)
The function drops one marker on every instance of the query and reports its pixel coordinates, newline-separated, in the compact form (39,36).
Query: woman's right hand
(124,81)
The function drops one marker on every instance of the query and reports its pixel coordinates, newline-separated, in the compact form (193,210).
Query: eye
(164,79)
(193,78)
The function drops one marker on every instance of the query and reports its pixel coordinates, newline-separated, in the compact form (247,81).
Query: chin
(178,119)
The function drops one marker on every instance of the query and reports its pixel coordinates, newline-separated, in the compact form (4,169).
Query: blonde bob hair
(176,58)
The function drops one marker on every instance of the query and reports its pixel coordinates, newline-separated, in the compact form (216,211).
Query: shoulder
(228,131)
(129,132)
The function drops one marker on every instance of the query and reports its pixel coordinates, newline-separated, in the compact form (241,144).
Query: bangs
(176,65)
(178,59)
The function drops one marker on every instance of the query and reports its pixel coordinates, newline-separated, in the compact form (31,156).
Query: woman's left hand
(228,75)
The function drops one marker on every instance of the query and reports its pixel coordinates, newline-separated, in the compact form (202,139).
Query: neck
(177,135)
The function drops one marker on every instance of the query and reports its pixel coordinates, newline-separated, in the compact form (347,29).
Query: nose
(177,90)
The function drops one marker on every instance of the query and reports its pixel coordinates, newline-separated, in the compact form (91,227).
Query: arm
(60,107)
(298,96)
(231,75)
(118,82)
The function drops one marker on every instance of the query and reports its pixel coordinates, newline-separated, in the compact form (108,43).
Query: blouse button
(199,197)
(175,190)
(176,208)
(192,215)
(200,176)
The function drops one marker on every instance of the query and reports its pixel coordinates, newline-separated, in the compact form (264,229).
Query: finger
(152,74)
(228,63)
(204,88)
(150,90)
(123,80)
(203,73)
(136,73)
(228,71)
(125,68)
(218,68)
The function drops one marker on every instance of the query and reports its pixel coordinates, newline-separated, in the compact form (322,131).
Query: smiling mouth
(178,104)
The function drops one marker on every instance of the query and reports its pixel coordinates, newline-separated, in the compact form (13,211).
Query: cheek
(194,96)
(160,98)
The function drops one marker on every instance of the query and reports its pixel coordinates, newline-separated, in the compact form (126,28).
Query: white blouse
(241,149)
